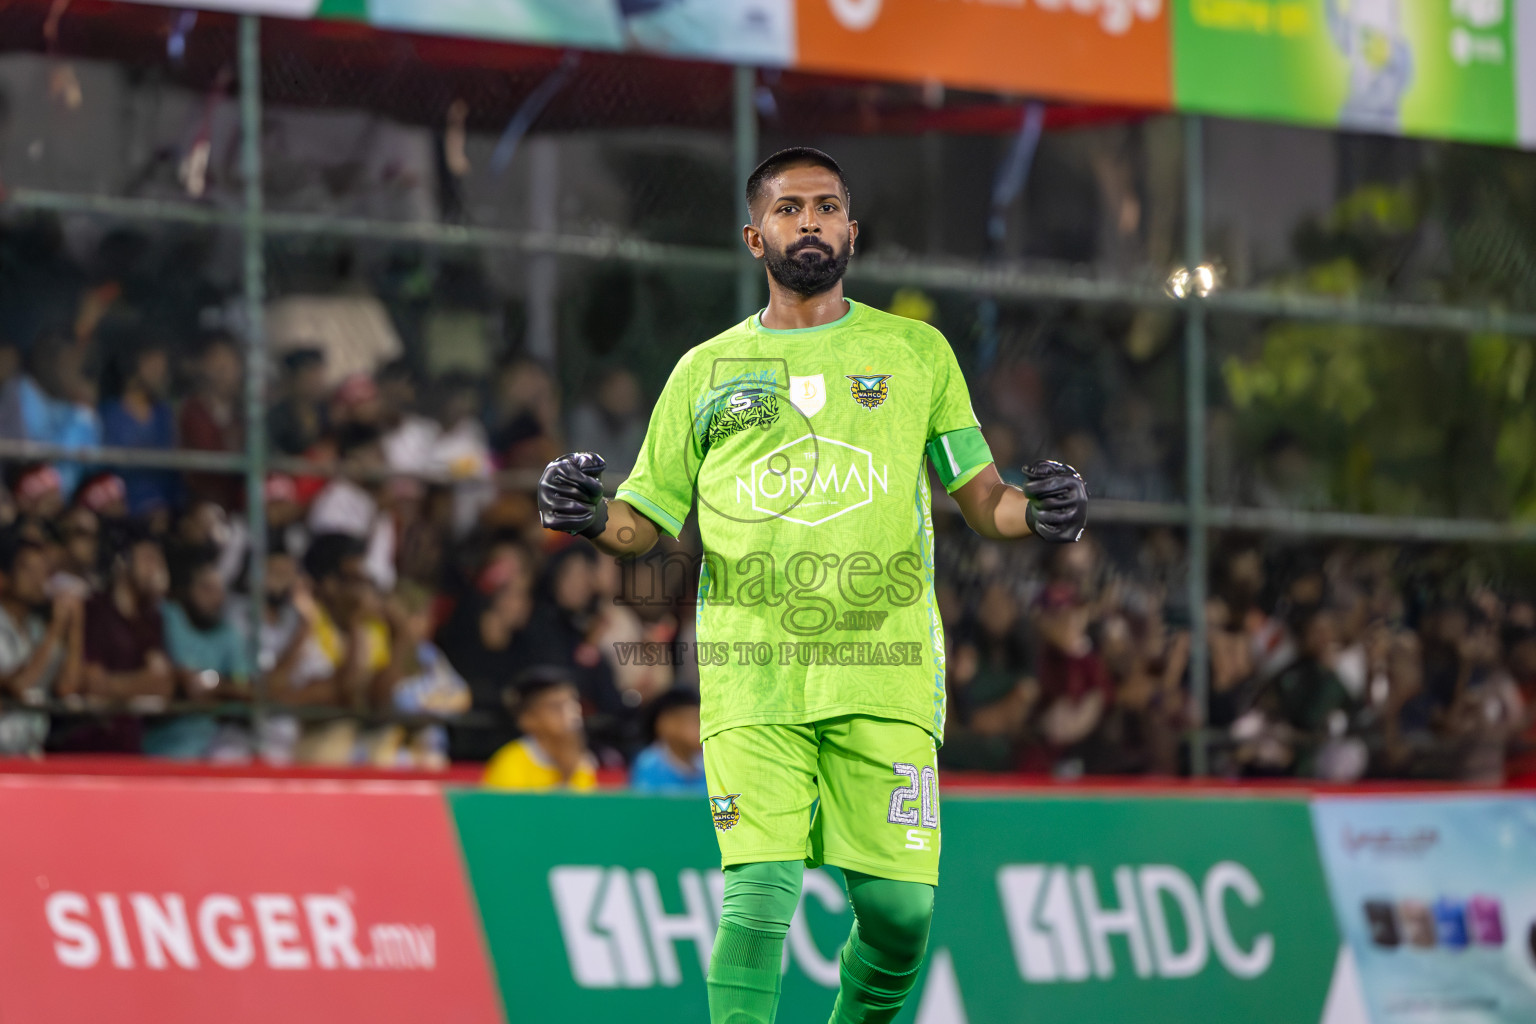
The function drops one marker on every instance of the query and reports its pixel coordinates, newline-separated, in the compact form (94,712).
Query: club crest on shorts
(869,389)
(725,812)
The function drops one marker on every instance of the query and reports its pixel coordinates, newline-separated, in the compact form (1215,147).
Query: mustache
(809,242)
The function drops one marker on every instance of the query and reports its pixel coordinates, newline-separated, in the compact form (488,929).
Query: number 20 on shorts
(926,782)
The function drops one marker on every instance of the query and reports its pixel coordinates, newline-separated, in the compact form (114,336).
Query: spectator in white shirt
(350,503)
(40,658)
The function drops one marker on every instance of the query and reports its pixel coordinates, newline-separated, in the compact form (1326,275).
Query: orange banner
(1105,51)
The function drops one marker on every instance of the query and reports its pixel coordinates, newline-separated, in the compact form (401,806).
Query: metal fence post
(1194,437)
(255,346)
(749,277)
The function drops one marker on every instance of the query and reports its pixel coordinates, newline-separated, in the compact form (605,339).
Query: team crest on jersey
(725,812)
(869,390)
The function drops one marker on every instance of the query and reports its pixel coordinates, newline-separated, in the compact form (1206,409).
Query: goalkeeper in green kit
(804,435)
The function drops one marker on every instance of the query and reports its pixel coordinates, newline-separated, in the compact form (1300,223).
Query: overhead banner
(1442,68)
(1454,69)
(245,903)
(273,8)
(1159,911)
(1104,51)
(1110,51)
(1436,898)
(745,31)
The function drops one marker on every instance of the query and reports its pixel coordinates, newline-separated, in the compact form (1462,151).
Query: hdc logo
(619,934)
(1060,926)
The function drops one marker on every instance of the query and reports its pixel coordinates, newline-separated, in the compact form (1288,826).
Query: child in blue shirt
(674,762)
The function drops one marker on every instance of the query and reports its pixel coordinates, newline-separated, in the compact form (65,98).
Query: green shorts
(858,792)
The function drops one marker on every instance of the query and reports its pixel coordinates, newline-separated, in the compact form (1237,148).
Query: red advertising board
(1108,51)
(161,902)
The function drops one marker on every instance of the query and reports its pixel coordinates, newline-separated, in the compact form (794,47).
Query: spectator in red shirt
(77,569)
(124,634)
(211,421)
(1075,689)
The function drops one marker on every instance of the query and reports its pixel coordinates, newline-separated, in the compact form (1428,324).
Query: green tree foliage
(1407,421)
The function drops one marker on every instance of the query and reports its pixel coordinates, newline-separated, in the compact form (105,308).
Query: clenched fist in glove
(1058,501)
(571,495)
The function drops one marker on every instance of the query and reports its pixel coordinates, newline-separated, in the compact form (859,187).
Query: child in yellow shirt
(552,753)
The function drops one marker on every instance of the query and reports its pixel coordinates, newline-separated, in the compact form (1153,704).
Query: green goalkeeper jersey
(805,450)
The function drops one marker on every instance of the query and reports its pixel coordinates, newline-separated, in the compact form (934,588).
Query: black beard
(808,276)
(200,622)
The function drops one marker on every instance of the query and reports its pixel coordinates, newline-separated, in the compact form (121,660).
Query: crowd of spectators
(407,611)
(1337,662)
(410,611)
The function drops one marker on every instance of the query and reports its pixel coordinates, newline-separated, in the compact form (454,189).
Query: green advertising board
(1050,911)
(1444,68)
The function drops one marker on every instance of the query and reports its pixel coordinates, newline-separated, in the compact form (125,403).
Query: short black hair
(299,359)
(277,541)
(671,700)
(532,683)
(791,157)
(125,538)
(396,369)
(353,437)
(216,339)
(1514,636)
(12,544)
(185,561)
(328,551)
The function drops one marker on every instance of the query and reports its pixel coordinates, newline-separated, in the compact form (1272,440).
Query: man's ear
(853,235)
(753,238)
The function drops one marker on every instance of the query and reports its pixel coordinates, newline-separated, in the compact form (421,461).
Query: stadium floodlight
(1184,282)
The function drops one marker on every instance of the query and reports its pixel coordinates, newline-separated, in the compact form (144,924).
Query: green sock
(869,993)
(876,978)
(744,976)
(746,967)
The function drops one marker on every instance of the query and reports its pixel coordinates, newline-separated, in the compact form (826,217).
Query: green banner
(1443,68)
(1050,911)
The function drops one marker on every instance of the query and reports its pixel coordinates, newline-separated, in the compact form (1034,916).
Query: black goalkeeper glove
(571,495)
(1058,501)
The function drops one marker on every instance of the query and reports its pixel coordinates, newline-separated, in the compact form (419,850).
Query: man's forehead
(804,179)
